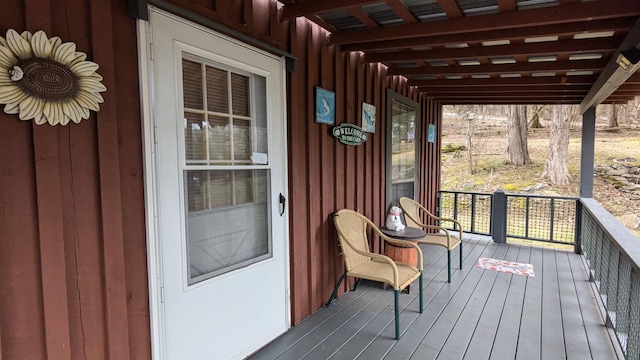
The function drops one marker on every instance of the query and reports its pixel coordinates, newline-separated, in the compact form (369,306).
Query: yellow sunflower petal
(7,59)
(53,112)
(86,101)
(12,108)
(85,112)
(3,42)
(18,45)
(93,96)
(5,79)
(64,120)
(79,57)
(84,68)
(96,76)
(72,110)
(40,119)
(30,107)
(55,43)
(64,54)
(91,85)
(41,45)
(11,93)
(26,35)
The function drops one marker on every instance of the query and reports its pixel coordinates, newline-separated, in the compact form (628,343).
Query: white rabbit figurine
(393,219)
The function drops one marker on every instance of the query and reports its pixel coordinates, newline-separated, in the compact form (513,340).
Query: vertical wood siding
(73,278)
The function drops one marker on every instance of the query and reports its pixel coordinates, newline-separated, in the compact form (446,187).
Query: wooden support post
(499,217)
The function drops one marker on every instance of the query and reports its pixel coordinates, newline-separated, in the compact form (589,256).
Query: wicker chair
(412,211)
(361,263)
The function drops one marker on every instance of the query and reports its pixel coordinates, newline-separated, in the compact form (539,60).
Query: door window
(225,168)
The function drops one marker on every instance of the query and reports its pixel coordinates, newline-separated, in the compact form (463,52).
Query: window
(225,168)
(402,147)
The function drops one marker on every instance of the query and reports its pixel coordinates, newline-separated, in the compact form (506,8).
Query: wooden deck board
(483,336)
(529,338)
(482,314)
(505,343)
(576,342)
(553,345)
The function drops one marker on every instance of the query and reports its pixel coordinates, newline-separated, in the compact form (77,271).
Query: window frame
(391,97)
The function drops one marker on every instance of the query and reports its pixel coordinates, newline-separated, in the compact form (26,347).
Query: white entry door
(220,158)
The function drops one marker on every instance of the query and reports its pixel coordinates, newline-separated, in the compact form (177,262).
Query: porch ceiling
(491,51)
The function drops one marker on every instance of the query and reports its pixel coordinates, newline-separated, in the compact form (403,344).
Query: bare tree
(613,116)
(517,151)
(534,123)
(555,170)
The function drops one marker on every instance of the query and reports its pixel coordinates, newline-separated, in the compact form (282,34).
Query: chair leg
(335,290)
(460,255)
(448,266)
(395,295)
(421,298)
(355,285)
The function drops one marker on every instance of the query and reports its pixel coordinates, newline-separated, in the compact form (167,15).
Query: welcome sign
(349,134)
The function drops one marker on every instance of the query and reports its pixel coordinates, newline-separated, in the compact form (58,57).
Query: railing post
(499,217)
(577,237)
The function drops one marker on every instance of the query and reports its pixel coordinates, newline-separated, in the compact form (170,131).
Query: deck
(482,314)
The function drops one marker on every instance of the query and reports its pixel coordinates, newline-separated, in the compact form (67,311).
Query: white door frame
(154,256)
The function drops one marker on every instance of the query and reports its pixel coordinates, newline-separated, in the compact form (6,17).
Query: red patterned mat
(506,266)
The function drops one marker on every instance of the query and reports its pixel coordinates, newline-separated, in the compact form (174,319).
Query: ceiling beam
(507,5)
(543,48)
(567,65)
(363,17)
(613,75)
(513,97)
(318,7)
(569,13)
(542,81)
(401,10)
(570,29)
(451,8)
(550,101)
(506,89)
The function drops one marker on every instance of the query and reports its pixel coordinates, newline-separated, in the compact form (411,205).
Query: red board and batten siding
(73,267)
(73,273)
(324,175)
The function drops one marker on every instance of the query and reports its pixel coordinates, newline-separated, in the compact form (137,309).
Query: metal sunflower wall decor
(47,80)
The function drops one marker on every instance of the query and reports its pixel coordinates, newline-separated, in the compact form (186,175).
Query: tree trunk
(470,131)
(535,119)
(555,170)
(613,118)
(517,151)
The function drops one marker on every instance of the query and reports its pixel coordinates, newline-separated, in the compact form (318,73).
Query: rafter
(515,19)
(363,17)
(318,7)
(525,81)
(617,24)
(568,65)
(516,96)
(401,10)
(507,5)
(451,8)
(583,89)
(552,47)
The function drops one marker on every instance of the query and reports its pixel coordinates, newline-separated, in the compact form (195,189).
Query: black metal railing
(612,254)
(518,216)
(471,209)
